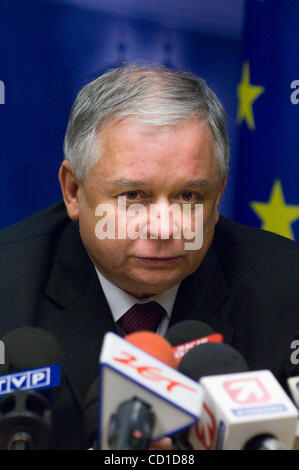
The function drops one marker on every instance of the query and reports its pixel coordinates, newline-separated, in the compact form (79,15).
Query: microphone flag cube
(126,372)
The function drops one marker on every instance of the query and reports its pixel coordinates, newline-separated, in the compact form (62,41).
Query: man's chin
(151,285)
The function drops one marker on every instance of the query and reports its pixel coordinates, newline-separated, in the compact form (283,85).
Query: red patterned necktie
(142,317)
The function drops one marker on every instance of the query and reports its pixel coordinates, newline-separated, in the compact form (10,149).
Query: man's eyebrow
(198,184)
(123,182)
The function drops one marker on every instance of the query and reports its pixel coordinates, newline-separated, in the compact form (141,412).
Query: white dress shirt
(120,301)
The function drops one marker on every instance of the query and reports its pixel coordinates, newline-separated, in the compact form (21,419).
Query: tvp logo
(246,391)
(34,379)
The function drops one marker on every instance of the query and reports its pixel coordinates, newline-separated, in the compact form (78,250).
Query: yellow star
(276,215)
(247,94)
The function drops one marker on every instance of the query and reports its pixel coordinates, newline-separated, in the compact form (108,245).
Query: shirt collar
(120,301)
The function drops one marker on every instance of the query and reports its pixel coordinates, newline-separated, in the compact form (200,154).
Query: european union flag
(267,177)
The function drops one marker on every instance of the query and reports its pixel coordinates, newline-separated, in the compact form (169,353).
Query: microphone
(130,427)
(141,398)
(158,347)
(241,409)
(131,413)
(155,345)
(188,330)
(185,335)
(33,359)
(212,359)
(204,360)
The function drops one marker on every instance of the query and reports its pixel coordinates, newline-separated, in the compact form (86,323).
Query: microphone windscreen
(155,345)
(30,348)
(186,331)
(212,359)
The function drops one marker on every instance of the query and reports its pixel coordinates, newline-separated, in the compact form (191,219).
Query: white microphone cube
(238,407)
(127,372)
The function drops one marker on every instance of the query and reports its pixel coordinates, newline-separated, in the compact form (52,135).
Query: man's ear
(221,189)
(69,187)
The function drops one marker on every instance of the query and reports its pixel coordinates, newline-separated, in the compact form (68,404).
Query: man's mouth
(160,261)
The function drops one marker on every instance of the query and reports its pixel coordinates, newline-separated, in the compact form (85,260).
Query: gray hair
(153,95)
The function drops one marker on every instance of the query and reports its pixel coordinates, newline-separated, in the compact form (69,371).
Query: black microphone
(212,359)
(33,360)
(130,426)
(185,335)
(188,330)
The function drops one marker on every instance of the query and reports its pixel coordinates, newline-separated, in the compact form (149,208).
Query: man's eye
(131,195)
(189,196)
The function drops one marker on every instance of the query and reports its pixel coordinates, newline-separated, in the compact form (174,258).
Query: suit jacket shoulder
(38,224)
(26,254)
(248,252)
(261,270)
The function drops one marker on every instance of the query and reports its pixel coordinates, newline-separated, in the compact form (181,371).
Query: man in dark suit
(155,137)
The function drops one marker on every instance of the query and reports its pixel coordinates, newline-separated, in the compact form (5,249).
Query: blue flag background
(50,49)
(267,175)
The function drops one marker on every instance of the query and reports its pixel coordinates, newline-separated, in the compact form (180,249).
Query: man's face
(149,165)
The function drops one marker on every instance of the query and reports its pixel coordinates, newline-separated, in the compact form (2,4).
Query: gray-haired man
(148,136)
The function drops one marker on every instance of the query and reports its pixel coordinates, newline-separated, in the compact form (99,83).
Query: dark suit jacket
(247,288)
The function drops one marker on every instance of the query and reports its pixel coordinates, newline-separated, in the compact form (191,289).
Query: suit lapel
(203,295)
(75,311)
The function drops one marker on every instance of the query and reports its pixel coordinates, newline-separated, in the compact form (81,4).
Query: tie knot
(142,317)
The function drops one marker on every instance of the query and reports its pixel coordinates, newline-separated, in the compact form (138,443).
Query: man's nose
(164,221)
